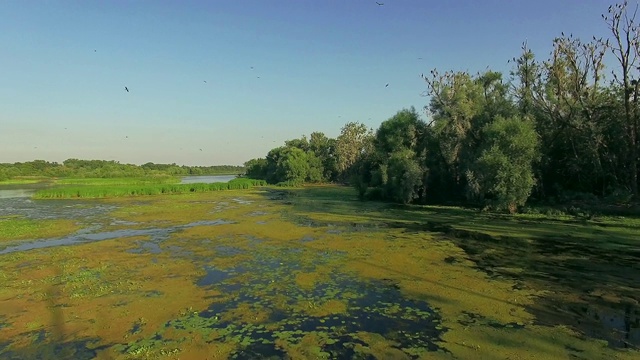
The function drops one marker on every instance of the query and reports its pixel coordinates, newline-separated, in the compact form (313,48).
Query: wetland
(310,273)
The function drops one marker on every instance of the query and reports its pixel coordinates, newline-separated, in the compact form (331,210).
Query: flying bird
(200,149)
(126,88)
(379,4)
(386,85)
(205,81)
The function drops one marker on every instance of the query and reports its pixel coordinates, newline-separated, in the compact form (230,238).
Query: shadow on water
(592,280)
(80,349)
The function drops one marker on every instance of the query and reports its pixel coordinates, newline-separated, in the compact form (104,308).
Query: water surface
(207,179)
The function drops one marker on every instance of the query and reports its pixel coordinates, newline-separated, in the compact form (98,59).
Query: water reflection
(9,191)
(207,179)
(16,193)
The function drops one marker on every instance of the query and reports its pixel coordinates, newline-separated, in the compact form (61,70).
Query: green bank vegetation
(114,190)
(162,179)
(74,168)
(554,130)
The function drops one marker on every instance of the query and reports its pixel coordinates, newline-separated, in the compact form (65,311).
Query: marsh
(312,273)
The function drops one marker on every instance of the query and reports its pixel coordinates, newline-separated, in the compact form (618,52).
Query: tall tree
(503,176)
(626,48)
(354,141)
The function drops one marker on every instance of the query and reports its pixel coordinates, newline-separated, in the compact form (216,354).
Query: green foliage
(75,168)
(396,164)
(503,173)
(558,127)
(404,177)
(292,165)
(352,145)
(256,168)
(119,181)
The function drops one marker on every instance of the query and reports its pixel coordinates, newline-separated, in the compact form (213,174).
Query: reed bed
(107,191)
(119,181)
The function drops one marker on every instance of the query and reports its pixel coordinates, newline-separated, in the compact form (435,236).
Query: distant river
(207,179)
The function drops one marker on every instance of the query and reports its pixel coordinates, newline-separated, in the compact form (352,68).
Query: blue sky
(321,64)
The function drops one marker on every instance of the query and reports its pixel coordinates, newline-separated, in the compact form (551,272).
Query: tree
(292,165)
(461,105)
(397,163)
(325,149)
(626,49)
(256,168)
(404,177)
(503,175)
(354,141)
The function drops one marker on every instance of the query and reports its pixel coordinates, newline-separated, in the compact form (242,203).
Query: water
(12,191)
(159,234)
(16,193)
(207,179)
(53,209)
(372,306)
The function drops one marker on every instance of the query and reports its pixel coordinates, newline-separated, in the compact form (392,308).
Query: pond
(259,274)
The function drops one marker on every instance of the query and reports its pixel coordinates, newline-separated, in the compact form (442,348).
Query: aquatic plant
(65,192)
(161,179)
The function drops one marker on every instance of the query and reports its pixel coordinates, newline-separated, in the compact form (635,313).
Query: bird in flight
(126,88)
(386,85)
(205,81)
(379,4)
(200,149)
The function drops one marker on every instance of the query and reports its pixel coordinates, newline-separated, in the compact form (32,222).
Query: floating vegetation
(325,276)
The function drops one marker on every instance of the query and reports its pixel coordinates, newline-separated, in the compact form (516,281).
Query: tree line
(107,169)
(561,126)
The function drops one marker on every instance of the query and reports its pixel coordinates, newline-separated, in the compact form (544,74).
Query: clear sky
(274,70)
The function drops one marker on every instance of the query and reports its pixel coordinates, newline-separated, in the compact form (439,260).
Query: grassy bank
(117,190)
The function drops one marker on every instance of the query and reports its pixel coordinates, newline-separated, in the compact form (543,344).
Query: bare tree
(625,48)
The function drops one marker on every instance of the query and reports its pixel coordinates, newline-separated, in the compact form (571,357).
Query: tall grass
(66,192)
(119,181)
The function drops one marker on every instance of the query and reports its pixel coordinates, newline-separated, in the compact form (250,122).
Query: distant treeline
(107,169)
(559,128)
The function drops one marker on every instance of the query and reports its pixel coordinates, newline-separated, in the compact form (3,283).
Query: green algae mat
(311,273)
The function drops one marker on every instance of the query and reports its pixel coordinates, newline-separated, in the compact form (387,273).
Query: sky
(224,81)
